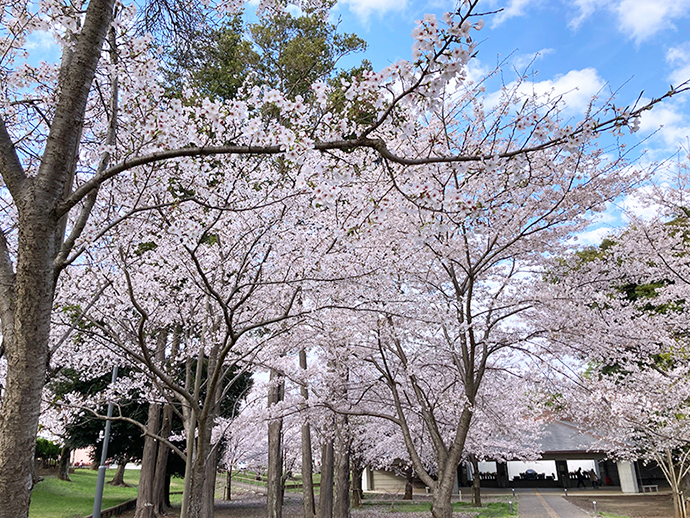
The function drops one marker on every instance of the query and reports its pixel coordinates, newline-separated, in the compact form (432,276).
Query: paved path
(542,503)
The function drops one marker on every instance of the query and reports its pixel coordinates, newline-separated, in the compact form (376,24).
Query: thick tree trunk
(308,501)
(146,499)
(63,465)
(119,478)
(210,483)
(195,506)
(228,484)
(341,496)
(357,492)
(27,354)
(161,480)
(145,494)
(326,487)
(440,502)
(274,484)
(27,295)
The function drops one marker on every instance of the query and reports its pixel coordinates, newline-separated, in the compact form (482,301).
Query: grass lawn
(53,498)
(492,510)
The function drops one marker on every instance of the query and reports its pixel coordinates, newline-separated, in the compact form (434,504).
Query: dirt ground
(637,506)
(247,504)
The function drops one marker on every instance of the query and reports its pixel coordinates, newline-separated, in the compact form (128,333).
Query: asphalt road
(542,503)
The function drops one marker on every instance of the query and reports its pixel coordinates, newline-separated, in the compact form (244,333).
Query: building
(565,449)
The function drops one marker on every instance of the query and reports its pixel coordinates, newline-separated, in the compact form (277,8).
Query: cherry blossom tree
(618,312)
(70,131)
(462,249)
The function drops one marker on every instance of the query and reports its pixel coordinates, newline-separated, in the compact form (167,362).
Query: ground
(247,504)
(635,506)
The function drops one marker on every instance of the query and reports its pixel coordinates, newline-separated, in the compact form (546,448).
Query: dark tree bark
(210,483)
(228,484)
(119,478)
(408,483)
(341,496)
(63,465)
(161,480)
(274,484)
(308,501)
(145,494)
(326,487)
(357,492)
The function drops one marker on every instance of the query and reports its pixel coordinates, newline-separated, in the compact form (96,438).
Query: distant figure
(595,480)
(608,481)
(580,478)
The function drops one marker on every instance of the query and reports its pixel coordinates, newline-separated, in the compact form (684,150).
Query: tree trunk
(146,500)
(119,478)
(63,466)
(408,483)
(308,501)
(440,501)
(161,479)
(145,494)
(210,483)
(26,295)
(27,355)
(274,483)
(194,488)
(476,483)
(326,487)
(228,484)
(357,493)
(341,497)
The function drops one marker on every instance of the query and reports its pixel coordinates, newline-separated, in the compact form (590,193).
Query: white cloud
(513,9)
(576,89)
(586,8)
(638,19)
(679,58)
(593,237)
(365,8)
(639,205)
(522,61)
(668,121)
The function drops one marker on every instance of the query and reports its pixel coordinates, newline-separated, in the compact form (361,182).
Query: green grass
(492,510)
(612,515)
(53,498)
